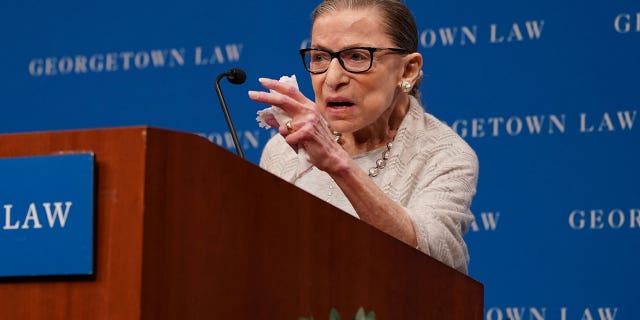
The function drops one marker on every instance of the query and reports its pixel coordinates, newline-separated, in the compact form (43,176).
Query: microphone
(235,76)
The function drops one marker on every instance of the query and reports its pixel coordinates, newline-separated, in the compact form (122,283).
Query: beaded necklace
(380,163)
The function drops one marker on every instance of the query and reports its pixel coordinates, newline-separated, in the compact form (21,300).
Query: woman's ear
(412,67)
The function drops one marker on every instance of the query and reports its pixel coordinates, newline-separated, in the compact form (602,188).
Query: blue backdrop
(545,91)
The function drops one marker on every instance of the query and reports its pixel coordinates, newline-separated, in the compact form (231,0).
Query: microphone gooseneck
(235,76)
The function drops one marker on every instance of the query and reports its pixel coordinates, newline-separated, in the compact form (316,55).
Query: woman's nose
(335,74)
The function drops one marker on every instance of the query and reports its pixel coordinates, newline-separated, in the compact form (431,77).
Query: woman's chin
(341,126)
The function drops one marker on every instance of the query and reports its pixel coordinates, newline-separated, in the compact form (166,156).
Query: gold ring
(289,126)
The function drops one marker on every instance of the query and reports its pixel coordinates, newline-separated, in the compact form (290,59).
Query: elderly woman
(375,153)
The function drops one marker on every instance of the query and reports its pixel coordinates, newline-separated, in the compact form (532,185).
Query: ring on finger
(289,126)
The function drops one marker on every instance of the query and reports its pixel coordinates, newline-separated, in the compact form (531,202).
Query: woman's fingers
(284,88)
(307,127)
(282,95)
(290,106)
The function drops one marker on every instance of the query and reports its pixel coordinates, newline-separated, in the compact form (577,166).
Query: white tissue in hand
(276,112)
(304,165)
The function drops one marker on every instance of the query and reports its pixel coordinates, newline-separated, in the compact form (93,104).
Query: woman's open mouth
(340,104)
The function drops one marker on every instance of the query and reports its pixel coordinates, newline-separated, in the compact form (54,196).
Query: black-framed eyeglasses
(354,60)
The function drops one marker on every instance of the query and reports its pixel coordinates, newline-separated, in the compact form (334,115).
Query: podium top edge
(133,128)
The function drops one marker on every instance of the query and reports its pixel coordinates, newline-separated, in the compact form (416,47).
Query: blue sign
(46,215)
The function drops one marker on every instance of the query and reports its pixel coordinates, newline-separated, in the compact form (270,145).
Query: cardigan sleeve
(433,176)
(438,201)
(279,158)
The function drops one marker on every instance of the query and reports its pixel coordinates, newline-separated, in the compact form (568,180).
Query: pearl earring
(406,86)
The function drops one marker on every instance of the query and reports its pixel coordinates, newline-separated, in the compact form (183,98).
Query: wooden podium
(187,230)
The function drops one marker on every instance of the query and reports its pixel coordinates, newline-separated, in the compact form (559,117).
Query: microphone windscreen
(237,76)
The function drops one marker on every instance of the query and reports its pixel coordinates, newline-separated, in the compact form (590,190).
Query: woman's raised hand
(307,128)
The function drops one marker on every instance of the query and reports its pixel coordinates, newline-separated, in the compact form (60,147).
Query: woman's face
(348,101)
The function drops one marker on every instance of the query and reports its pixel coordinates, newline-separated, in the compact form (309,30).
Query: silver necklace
(382,162)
